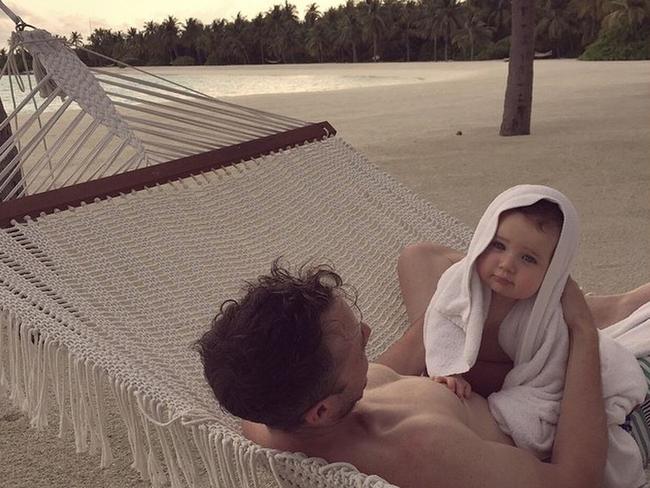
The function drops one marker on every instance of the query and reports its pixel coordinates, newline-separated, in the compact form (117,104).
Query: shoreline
(590,139)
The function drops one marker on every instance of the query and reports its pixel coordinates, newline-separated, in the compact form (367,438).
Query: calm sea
(255,80)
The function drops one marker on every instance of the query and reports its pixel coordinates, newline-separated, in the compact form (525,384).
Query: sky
(64,16)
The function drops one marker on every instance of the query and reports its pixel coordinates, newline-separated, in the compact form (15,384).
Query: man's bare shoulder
(379,375)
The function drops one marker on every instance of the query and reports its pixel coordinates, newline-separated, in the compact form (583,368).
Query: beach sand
(590,139)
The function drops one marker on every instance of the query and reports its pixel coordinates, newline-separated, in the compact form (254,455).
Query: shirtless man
(289,358)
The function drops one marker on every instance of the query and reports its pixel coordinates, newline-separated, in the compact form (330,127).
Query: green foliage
(212,59)
(619,44)
(183,61)
(388,30)
(495,50)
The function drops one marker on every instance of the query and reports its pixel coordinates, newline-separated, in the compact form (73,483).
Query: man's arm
(419,268)
(581,437)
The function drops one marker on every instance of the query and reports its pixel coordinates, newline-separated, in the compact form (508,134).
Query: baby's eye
(497,245)
(529,259)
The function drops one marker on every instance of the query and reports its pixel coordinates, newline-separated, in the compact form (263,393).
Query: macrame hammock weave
(131,209)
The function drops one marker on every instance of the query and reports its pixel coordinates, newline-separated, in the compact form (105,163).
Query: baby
(501,303)
(513,267)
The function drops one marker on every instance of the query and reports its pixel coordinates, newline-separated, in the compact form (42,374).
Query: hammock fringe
(36,366)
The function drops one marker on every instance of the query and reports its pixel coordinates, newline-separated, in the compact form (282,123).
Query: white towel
(633,332)
(535,337)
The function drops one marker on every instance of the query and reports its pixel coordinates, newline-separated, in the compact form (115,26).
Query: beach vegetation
(620,44)
(183,61)
(625,34)
(379,30)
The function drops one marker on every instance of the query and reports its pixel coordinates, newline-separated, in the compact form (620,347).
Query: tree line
(386,30)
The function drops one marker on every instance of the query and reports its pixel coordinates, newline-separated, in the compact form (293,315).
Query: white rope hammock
(107,297)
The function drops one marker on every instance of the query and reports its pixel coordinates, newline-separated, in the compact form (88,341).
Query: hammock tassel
(154,468)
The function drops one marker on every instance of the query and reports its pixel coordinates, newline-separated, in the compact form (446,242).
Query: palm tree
(373,25)
(332,49)
(234,40)
(76,40)
(312,14)
(625,13)
(428,25)
(315,39)
(150,28)
(349,28)
(474,32)
(258,35)
(134,45)
(590,13)
(190,39)
(291,28)
(169,36)
(107,42)
(275,27)
(282,28)
(406,21)
(154,50)
(498,17)
(555,24)
(518,102)
(449,14)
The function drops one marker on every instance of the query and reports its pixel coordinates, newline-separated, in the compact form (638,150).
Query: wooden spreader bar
(71,196)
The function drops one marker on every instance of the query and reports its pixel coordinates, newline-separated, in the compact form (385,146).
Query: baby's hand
(455,383)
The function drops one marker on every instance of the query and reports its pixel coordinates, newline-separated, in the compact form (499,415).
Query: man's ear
(319,413)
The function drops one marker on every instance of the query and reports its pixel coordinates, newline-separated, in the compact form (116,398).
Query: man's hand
(576,312)
(455,383)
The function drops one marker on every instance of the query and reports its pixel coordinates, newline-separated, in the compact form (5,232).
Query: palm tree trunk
(408,48)
(519,90)
(374,46)
(446,44)
(471,45)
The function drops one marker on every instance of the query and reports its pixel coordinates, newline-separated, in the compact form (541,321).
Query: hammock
(115,257)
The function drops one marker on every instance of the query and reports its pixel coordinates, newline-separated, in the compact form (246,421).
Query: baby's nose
(507,262)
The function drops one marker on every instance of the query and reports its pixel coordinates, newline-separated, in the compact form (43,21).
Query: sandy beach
(439,136)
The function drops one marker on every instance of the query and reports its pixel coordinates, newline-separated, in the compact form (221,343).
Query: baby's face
(515,262)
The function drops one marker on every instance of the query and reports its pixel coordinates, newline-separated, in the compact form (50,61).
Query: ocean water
(232,81)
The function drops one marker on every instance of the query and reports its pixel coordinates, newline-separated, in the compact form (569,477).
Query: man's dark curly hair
(265,356)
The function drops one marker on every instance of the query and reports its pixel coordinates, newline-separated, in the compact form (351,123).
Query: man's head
(282,355)
(515,262)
